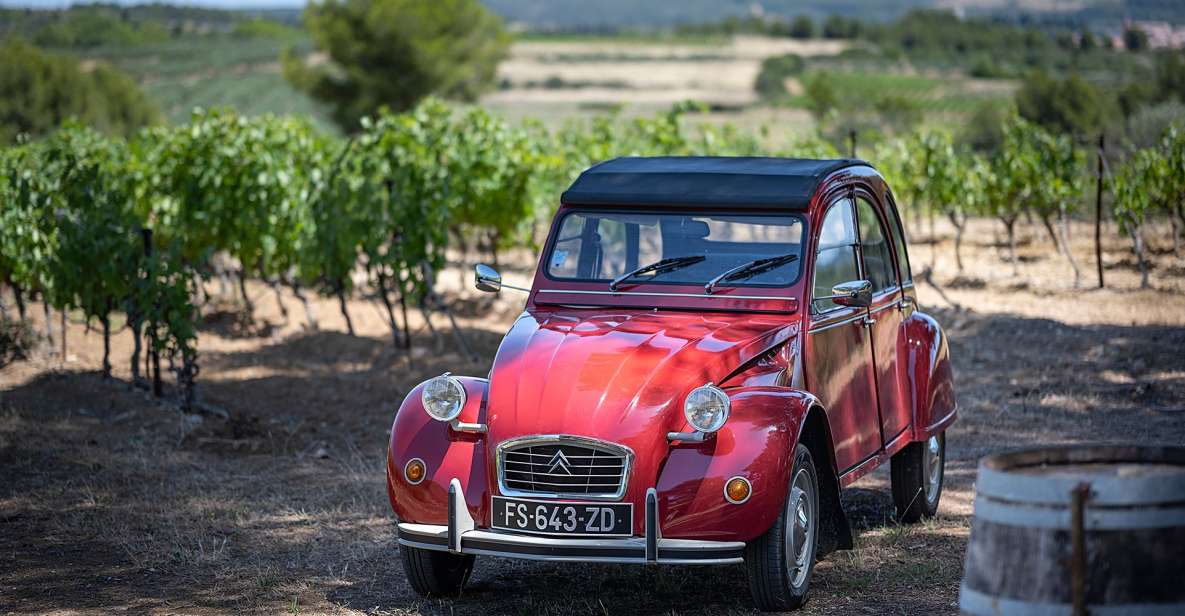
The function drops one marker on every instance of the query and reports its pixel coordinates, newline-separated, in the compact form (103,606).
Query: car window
(895,232)
(878,255)
(835,261)
(599,246)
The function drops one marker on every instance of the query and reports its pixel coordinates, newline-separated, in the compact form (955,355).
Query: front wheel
(780,562)
(436,574)
(917,474)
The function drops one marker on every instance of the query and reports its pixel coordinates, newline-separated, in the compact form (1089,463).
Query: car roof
(742,181)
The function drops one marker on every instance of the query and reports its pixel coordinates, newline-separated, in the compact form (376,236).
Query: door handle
(868,321)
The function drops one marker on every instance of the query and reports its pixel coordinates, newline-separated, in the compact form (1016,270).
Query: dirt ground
(113,502)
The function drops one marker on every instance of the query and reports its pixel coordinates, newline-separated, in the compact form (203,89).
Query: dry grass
(112,501)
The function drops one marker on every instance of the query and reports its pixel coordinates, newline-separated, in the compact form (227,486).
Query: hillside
(611,14)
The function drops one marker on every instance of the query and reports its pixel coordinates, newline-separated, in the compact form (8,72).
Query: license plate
(557,518)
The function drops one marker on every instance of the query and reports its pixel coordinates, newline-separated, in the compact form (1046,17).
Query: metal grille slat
(562,485)
(545,464)
(567,466)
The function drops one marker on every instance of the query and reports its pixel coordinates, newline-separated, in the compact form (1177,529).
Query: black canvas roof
(774,183)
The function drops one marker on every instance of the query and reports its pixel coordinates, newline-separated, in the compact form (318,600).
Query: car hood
(617,376)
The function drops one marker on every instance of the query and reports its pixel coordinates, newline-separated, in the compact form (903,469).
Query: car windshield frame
(799,217)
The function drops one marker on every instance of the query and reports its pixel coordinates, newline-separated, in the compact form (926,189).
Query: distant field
(953,94)
(215,71)
(554,78)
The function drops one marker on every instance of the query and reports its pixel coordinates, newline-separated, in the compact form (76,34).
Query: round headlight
(443,397)
(706,408)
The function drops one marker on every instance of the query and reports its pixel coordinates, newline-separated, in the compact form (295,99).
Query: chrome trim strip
(626,454)
(460,426)
(893,304)
(651,526)
(658,294)
(689,437)
(828,326)
(630,550)
(459,520)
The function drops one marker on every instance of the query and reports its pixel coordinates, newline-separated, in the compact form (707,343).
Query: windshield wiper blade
(750,269)
(658,267)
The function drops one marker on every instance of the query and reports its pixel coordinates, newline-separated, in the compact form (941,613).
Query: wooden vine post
(1098,209)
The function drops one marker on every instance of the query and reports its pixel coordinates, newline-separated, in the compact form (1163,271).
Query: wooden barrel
(1078,530)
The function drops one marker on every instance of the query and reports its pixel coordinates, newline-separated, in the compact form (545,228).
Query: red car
(710,350)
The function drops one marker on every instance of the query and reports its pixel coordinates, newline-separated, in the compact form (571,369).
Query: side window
(895,231)
(835,261)
(878,255)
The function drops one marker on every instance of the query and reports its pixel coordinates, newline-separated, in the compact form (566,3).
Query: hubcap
(933,467)
(800,531)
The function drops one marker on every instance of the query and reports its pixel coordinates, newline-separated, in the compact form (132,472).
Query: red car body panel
(616,367)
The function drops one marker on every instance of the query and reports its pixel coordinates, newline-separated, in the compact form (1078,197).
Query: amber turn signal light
(737,490)
(415,471)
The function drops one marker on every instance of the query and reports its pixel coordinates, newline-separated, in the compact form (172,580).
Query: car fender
(446,453)
(757,443)
(928,375)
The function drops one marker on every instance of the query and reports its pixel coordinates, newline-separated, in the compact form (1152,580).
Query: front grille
(563,466)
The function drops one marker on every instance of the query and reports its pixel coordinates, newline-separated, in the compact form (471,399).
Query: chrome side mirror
(854,294)
(486,278)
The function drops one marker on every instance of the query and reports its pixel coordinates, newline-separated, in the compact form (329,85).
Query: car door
(884,318)
(837,349)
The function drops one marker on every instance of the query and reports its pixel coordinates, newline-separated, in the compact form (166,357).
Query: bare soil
(111,501)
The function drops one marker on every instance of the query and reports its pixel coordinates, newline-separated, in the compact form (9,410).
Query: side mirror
(486,278)
(855,294)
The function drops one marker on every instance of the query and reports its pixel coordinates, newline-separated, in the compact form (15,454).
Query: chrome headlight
(706,408)
(443,397)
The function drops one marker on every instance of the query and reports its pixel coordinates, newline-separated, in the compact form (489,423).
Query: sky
(221,4)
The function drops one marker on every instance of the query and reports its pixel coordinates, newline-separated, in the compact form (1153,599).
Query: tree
(1135,39)
(802,27)
(983,131)
(840,27)
(1071,105)
(39,91)
(392,53)
(1170,76)
(775,70)
(821,96)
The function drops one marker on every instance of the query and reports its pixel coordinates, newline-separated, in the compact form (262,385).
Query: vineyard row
(102,225)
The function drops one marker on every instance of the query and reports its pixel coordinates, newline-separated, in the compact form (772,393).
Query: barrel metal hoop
(1097,518)
(1056,490)
(999,476)
(980,604)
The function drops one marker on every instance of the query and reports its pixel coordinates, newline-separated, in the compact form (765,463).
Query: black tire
(436,574)
(910,480)
(766,557)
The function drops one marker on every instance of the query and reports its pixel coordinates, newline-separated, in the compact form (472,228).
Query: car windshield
(603,246)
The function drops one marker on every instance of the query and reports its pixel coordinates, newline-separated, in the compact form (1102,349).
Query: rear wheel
(780,562)
(917,478)
(433,573)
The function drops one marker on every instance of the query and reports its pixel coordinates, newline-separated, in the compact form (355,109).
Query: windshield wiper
(750,269)
(658,267)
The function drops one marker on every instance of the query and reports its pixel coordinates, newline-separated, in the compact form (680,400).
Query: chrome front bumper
(461,536)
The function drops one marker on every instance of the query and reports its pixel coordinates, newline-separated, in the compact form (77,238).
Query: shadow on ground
(114,501)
